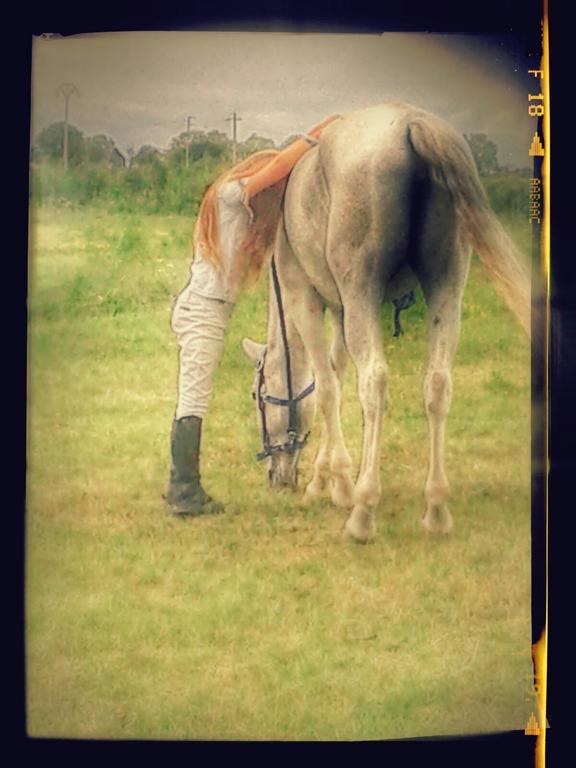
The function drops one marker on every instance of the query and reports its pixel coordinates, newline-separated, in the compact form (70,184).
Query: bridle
(292,444)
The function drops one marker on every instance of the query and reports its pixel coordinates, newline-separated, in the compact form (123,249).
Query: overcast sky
(139,87)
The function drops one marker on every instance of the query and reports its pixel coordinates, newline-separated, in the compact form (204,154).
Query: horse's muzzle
(282,476)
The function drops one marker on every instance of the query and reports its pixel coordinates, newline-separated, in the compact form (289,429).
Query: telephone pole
(188,119)
(234,118)
(66,89)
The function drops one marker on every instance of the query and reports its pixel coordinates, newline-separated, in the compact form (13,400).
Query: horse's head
(284,422)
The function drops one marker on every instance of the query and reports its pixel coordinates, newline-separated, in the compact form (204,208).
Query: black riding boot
(185,494)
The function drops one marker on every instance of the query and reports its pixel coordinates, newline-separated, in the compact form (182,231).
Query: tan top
(206,280)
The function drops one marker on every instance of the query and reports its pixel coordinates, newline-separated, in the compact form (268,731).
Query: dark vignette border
(521,18)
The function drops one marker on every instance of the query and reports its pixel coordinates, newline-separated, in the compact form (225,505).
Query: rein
(292,444)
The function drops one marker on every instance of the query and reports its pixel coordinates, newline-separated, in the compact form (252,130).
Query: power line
(234,118)
(188,119)
(66,90)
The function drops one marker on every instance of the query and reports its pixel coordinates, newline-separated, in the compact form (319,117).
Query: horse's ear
(252,349)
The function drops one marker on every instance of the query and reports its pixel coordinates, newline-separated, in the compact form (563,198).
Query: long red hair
(259,239)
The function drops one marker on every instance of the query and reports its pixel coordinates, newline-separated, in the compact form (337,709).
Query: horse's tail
(452,165)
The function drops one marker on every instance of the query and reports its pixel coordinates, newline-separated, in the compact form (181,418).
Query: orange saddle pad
(281,165)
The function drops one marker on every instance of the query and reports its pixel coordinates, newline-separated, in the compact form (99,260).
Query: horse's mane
(266,208)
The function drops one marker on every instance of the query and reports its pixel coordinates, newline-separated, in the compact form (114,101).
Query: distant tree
(255,143)
(485,153)
(214,144)
(102,149)
(217,137)
(177,151)
(179,142)
(216,150)
(218,144)
(50,144)
(146,155)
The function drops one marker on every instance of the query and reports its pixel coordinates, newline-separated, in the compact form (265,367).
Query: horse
(389,199)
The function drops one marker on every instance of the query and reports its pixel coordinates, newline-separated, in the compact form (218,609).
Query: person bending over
(234,232)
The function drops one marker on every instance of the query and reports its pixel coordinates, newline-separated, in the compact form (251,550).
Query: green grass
(263,623)
(150,188)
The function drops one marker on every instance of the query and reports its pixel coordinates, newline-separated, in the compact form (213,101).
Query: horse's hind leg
(364,342)
(338,351)
(443,298)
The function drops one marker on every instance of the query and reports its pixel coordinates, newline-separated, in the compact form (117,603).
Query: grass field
(263,623)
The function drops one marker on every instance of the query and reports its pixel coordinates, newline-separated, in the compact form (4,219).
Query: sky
(139,87)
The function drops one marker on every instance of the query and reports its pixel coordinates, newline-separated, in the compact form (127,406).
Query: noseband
(292,444)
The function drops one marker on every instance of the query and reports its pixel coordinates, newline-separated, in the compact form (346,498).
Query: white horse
(388,199)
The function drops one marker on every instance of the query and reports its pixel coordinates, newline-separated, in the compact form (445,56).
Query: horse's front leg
(319,485)
(333,460)
(323,481)
(306,311)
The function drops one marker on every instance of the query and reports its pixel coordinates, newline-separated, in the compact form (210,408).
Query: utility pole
(234,118)
(188,119)
(66,89)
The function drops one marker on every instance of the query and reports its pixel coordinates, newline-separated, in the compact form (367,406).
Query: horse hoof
(437,519)
(311,497)
(360,526)
(342,495)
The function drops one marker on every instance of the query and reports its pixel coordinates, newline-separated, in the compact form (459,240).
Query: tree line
(149,180)
(102,150)
(157,180)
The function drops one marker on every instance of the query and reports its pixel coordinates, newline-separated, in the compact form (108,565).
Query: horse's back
(351,202)
(371,139)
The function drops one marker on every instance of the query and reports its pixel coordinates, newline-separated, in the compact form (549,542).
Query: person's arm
(281,165)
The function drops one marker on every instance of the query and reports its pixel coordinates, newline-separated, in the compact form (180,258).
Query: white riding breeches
(200,325)
(203,309)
